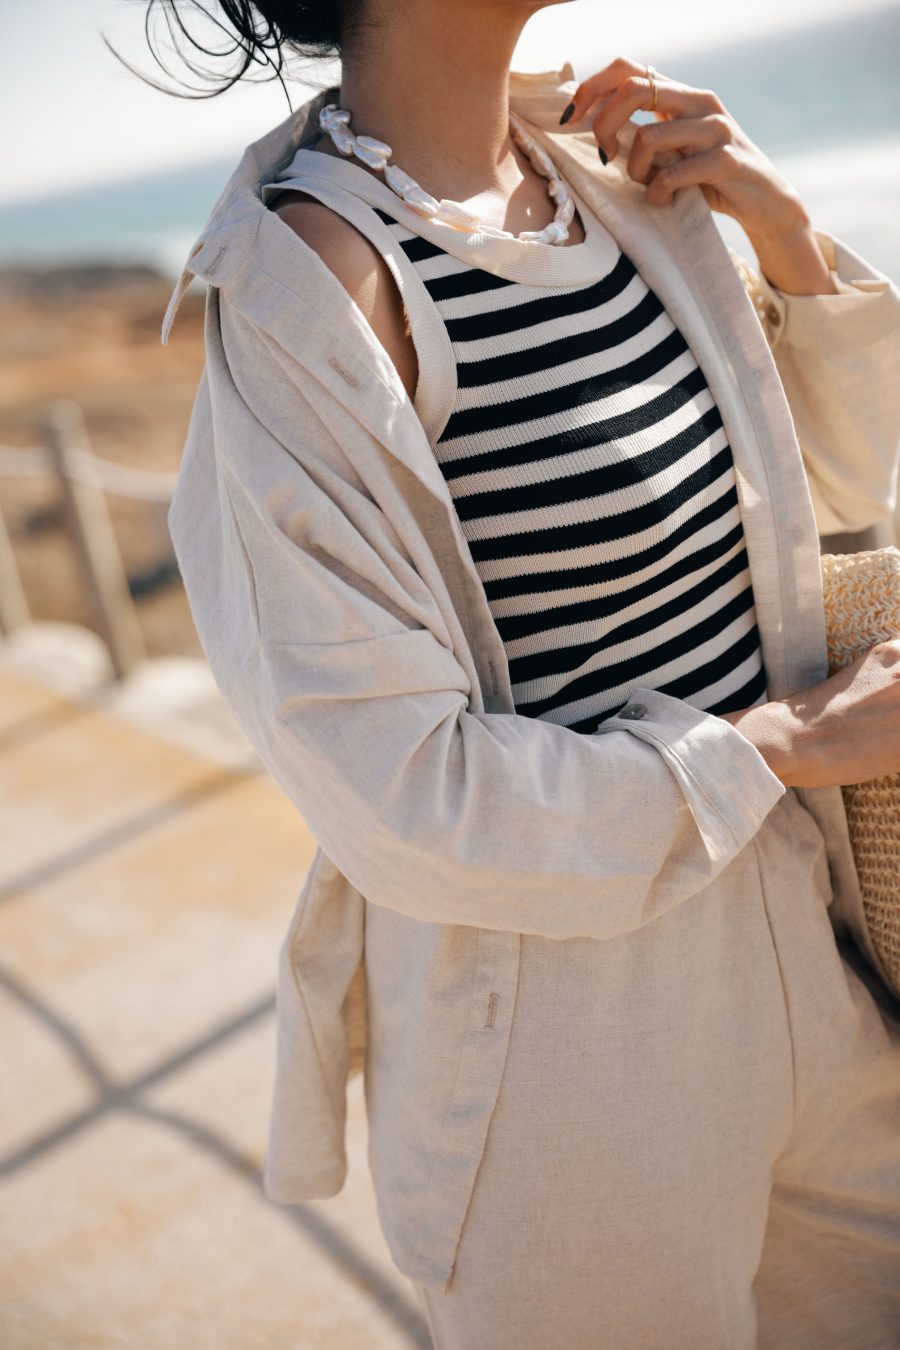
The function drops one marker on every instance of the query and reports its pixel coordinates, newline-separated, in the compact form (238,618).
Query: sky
(80,117)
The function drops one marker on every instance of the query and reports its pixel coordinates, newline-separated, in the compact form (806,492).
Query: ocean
(822,102)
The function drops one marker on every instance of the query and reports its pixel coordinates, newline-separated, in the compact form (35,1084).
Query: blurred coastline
(823,104)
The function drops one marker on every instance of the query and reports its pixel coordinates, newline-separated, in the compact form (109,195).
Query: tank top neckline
(513,259)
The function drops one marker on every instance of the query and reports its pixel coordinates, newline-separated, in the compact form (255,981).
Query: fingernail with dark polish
(567,114)
(603,155)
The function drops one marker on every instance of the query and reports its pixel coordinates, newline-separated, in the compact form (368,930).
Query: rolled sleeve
(838,356)
(823,321)
(728,781)
(495,820)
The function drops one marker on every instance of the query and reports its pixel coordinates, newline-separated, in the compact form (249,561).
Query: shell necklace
(336,122)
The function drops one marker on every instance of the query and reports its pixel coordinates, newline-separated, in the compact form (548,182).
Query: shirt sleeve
(838,356)
(349,687)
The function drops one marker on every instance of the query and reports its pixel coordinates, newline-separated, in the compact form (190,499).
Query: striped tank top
(587,461)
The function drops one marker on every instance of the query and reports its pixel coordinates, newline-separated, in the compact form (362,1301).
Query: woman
(521,606)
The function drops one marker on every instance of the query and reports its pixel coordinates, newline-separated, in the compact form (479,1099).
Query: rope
(117,479)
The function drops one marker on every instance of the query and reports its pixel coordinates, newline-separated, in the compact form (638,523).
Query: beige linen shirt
(336,599)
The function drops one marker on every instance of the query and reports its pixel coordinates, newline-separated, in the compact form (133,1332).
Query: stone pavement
(144,889)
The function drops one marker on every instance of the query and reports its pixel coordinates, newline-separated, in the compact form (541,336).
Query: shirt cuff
(866,305)
(727,783)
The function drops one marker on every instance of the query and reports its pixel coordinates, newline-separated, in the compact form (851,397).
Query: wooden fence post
(93,536)
(13,605)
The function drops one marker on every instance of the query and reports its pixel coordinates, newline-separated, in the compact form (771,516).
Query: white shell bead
(456,214)
(397,179)
(420,199)
(374,158)
(566,212)
(376,153)
(496,232)
(542,161)
(551,234)
(424,208)
(370,143)
(332,115)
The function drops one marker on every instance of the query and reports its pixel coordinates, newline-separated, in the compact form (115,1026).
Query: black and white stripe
(594,483)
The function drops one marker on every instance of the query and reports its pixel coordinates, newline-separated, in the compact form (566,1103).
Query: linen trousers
(696,1139)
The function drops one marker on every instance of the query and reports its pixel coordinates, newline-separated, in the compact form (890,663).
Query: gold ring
(650,73)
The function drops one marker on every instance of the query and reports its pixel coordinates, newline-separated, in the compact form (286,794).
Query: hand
(844,730)
(695,141)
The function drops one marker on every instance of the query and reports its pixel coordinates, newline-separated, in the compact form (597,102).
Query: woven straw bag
(862,607)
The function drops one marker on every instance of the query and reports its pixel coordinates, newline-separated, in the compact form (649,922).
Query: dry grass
(94,336)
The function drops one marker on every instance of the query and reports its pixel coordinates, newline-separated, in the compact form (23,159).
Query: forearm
(845,729)
(790,258)
(780,735)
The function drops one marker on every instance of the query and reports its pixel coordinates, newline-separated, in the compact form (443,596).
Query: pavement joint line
(223,1032)
(160,813)
(125,1098)
(112,1095)
(310,1222)
(75,1043)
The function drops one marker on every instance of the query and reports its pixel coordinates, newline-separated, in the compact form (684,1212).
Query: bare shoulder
(361,270)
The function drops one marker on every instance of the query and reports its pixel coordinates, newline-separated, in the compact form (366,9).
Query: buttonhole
(342,371)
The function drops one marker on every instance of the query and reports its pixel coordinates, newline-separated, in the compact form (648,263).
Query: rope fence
(84,480)
(116,480)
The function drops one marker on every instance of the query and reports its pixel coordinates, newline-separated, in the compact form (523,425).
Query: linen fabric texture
(696,1140)
(343,619)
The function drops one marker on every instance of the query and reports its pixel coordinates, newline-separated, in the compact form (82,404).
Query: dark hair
(261,32)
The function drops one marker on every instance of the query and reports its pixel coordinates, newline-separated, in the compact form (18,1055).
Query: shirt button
(774,316)
(636,710)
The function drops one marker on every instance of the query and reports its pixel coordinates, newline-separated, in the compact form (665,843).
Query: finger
(635,93)
(709,166)
(604,82)
(655,143)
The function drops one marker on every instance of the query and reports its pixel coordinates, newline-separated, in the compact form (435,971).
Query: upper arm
(362,271)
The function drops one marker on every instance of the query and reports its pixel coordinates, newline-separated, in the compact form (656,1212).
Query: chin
(534,5)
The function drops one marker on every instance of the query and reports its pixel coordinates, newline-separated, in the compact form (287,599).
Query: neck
(432,81)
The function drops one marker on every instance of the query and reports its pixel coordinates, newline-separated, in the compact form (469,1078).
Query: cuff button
(636,711)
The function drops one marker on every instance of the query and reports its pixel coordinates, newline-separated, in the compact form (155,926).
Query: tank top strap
(436,385)
(586,458)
